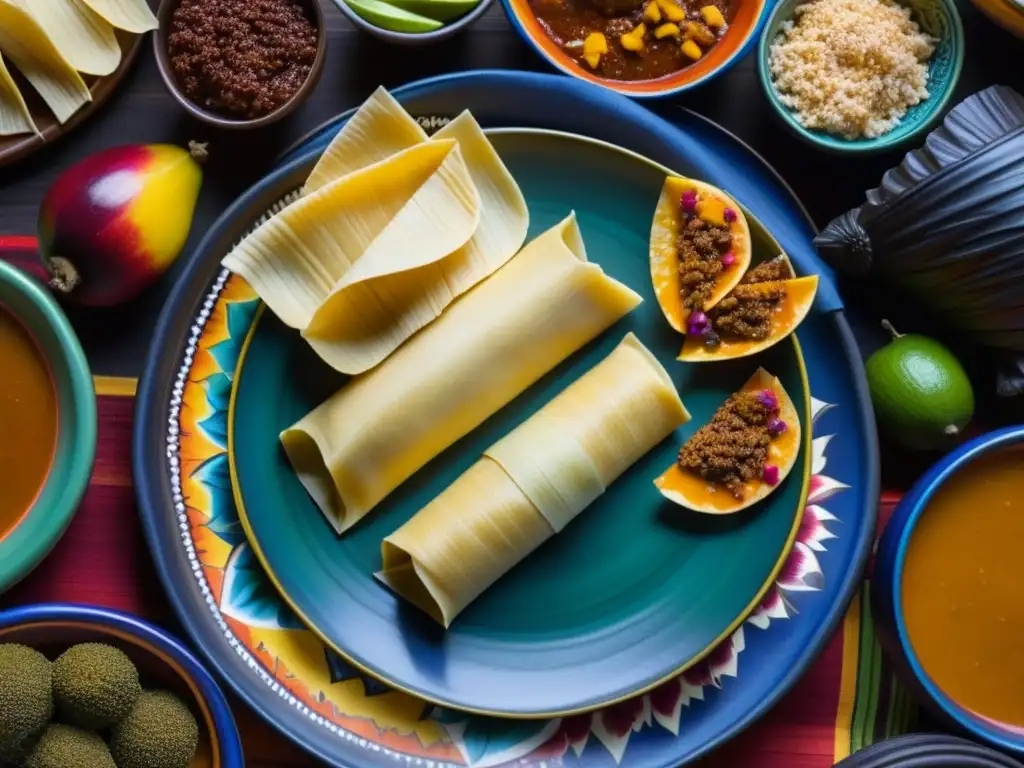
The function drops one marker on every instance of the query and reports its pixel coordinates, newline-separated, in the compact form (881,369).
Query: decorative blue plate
(323,703)
(634,592)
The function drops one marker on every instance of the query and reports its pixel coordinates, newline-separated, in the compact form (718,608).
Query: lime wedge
(442,10)
(387,16)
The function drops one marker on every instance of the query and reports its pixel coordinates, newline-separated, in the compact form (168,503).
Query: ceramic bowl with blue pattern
(937,18)
(162,660)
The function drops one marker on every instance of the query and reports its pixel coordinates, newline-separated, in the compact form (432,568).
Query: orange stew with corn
(634,39)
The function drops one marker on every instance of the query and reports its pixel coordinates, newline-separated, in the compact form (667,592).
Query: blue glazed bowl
(163,662)
(938,18)
(887,593)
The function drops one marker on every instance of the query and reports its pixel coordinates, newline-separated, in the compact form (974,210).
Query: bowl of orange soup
(948,588)
(47,423)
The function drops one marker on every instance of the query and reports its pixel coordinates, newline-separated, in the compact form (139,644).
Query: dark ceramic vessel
(163,60)
(927,750)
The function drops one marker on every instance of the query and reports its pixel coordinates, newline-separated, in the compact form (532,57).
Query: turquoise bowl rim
(756,30)
(783,11)
(888,582)
(22,548)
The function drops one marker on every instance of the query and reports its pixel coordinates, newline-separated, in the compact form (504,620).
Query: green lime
(921,393)
(442,10)
(387,16)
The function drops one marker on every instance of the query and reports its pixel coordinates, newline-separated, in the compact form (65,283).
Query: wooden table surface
(143,112)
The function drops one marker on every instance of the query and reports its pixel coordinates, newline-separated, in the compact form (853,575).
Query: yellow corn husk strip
(490,345)
(26,44)
(692,50)
(352,261)
(712,16)
(672,10)
(83,37)
(130,15)
(354,320)
(379,129)
(533,482)
(667,30)
(652,12)
(15,117)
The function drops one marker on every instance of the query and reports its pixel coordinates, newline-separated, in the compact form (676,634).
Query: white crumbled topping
(851,67)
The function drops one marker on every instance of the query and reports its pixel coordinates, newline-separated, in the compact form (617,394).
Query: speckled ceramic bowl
(887,593)
(739,40)
(45,521)
(938,18)
(163,662)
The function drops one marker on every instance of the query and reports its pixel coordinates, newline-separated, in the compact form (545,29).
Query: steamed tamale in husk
(530,484)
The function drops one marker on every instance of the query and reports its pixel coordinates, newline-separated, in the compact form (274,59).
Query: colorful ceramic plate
(619,602)
(349,719)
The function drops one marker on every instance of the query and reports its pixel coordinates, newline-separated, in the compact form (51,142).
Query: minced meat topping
(732,448)
(746,313)
(700,246)
(766,271)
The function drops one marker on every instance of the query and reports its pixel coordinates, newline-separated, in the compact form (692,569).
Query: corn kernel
(700,33)
(672,10)
(711,209)
(652,12)
(712,17)
(634,41)
(667,30)
(595,46)
(692,50)
(595,43)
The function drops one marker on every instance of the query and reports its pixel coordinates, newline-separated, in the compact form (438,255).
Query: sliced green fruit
(442,10)
(387,16)
(922,396)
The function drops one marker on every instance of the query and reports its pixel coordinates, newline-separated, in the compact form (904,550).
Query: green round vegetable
(64,746)
(160,732)
(922,396)
(26,699)
(94,685)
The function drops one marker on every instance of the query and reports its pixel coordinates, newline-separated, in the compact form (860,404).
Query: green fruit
(160,732)
(387,16)
(94,685)
(442,10)
(64,746)
(922,396)
(26,699)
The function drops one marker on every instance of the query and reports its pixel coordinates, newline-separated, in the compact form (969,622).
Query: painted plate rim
(196,608)
(567,710)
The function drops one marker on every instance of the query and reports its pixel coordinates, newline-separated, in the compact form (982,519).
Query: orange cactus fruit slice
(690,490)
(790,312)
(715,207)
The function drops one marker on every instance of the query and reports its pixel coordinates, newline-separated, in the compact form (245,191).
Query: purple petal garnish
(770,474)
(768,399)
(777,427)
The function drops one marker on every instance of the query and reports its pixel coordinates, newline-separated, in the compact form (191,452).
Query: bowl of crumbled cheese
(860,76)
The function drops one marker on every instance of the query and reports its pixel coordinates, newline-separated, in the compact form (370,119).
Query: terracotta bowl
(739,40)
(163,663)
(163,61)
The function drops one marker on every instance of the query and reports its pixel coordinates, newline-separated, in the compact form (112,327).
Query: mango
(115,222)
